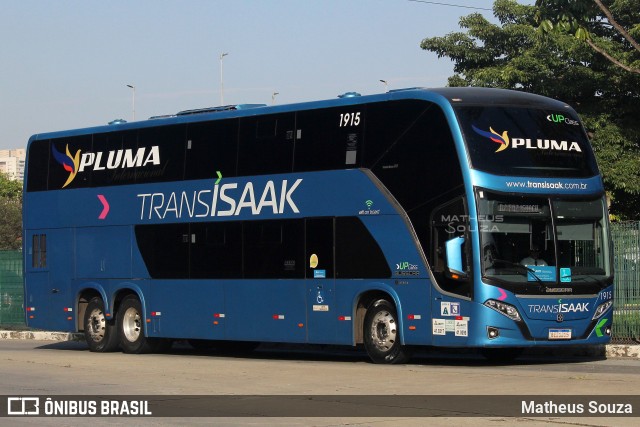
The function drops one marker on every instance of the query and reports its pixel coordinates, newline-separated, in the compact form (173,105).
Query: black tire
(501,355)
(382,334)
(100,333)
(131,329)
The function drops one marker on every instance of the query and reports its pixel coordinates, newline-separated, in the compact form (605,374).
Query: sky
(66,64)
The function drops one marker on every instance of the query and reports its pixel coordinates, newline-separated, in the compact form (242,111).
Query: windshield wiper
(523,267)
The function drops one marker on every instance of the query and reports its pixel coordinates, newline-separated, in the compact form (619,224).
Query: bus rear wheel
(131,329)
(100,333)
(382,334)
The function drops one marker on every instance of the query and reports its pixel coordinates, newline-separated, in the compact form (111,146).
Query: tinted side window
(358,255)
(113,158)
(211,147)
(329,138)
(448,221)
(164,249)
(39,251)
(273,249)
(319,248)
(410,148)
(38,165)
(216,250)
(266,144)
(411,143)
(159,155)
(112,142)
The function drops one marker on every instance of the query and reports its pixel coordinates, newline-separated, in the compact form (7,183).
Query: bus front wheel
(131,329)
(382,334)
(100,333)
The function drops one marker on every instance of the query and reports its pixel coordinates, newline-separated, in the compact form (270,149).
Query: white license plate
(559,334)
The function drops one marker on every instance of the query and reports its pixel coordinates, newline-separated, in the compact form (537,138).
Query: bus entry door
(320,282)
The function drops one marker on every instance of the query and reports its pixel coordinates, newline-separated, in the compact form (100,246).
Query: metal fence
(11,289)
(626,317)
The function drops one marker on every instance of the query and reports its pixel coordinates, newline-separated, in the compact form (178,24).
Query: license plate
(559,334)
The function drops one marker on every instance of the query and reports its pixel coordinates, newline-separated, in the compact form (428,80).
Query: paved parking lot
(29,367)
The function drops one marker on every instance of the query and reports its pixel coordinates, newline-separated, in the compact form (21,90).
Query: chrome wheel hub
(131,324)
(383,331)
(97,324)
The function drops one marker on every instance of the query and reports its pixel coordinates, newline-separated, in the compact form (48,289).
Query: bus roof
(457,96)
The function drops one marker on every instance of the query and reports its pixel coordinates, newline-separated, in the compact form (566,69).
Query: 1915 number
(349,119)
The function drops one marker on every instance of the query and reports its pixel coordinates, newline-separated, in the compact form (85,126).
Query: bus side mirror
(454,258)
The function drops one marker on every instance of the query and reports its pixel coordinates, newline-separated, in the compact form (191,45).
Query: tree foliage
(10,214)
(9,188)
(515,55)
(610,27)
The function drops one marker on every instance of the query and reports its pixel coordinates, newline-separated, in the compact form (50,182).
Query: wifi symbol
(369,203)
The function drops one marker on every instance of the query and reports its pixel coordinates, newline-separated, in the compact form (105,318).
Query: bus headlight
(503,308)
(602,308)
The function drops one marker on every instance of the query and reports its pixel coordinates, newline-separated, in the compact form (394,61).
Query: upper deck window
(526,142)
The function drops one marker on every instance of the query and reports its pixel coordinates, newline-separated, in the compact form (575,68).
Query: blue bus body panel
(103,252)
(99,251)
(92,245)
(560,186)
(334,193)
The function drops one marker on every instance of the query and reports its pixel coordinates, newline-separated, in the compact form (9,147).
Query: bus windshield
(526,142)
(532,243)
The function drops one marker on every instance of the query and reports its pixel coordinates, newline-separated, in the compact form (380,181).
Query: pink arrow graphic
(503,295)
(105,210)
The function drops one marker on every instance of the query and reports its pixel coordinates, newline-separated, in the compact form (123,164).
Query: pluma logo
(100,161)
(494,136)
(69,163)
(527,143)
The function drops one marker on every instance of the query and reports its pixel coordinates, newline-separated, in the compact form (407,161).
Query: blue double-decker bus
(455,217)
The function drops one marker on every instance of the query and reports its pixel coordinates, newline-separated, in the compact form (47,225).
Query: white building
(12,163)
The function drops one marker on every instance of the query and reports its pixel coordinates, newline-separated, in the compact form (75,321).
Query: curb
(621,350)
(40,335)
(610,351)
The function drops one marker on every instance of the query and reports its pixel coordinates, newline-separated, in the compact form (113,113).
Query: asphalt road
(39,368)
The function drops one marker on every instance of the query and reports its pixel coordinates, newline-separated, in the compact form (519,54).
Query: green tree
(515,55)
(610,27)
(10,214)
